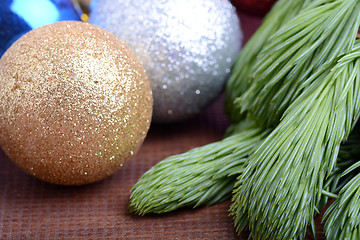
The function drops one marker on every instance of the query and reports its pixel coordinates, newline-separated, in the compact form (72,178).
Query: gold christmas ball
(75,103)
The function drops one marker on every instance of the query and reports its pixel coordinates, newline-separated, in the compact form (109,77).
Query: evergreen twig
(239,80)
(343,216)
(277,195)
(201,176)
(314,37)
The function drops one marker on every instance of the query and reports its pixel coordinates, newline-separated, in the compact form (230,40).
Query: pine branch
(189,162)
(313,38)
(282,12)
(201,176)
(277,195)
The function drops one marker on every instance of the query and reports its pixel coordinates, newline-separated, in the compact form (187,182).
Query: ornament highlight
(187,48)
(75,103)
(17,17)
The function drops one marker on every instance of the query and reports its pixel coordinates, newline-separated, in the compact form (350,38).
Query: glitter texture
(75,103)
(187,48)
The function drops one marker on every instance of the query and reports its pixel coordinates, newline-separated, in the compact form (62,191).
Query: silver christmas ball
(187,48)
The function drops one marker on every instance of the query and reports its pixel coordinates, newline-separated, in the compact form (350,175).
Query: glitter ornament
(254,7)
(17,17)
(75,103)
(187,48)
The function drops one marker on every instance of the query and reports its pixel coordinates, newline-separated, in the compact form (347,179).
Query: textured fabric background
(32,209)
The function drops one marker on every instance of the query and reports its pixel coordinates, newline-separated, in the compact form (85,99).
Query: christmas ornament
(75,103)
(187,48)
(253,7)
(20,16)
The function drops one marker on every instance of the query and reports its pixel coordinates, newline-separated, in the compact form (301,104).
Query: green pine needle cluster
(294,52)
(297,156)
(316,99)
(201,176)
(294,98)
(343,216)
(239,81)
(349,155)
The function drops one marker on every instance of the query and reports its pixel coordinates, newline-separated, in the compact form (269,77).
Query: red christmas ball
(253,7)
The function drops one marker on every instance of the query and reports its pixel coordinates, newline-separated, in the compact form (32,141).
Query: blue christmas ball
(18,17)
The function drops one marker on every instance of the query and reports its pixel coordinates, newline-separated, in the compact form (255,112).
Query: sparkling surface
(75,103)
(187,48)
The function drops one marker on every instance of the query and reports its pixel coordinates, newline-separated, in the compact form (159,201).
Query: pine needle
(239,81)
(313,38)
(277,195)
(201,176)
(347,161)
(343,216)
(186,166)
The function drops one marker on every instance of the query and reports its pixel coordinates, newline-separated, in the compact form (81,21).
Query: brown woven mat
(32,209)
